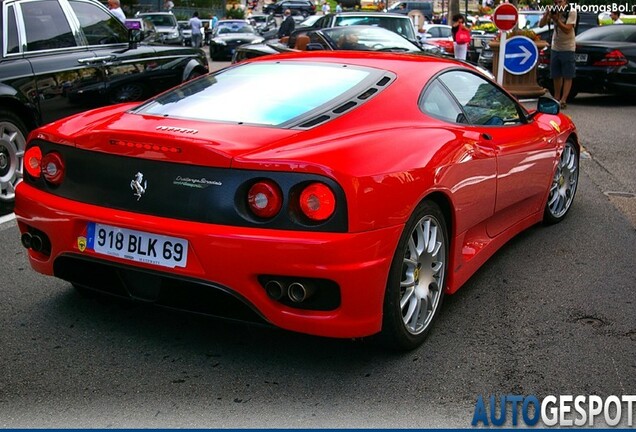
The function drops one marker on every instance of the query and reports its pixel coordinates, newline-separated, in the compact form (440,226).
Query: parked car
(146,28)
(186,32)
(166,25)
(264,24)
(605,62)
(230,34)
(298,7)
(60,57)
(202,199)
(434,32)
(361,38)
(406,6)
(397,23)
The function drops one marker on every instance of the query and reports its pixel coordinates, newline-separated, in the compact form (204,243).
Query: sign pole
(502,53)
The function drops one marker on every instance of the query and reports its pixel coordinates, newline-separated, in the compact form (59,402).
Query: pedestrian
(325,7)
(616,17)
(168,5)
(339,7)
(461,37)
(287,26)
(115,8)
(562,63)
(195,25)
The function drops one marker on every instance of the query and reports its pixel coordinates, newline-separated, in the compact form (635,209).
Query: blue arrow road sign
(521,54)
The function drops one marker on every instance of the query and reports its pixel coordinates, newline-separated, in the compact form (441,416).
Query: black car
(301,7)
(358,38)
(60,57)
(605,61)
(228,35)
(397,23)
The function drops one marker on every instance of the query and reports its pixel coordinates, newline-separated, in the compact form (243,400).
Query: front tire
(564,185)
(417,278)
(12,144)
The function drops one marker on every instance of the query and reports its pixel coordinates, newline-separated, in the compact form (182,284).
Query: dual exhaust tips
(38,242)
(297,292)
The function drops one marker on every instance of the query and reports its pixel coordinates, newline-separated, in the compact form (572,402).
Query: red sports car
(345,201)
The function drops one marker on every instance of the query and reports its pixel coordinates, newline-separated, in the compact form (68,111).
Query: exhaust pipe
(275,289)
(26,239)
(298,292)
(36,243)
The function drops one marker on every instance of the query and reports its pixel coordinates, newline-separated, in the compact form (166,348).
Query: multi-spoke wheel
(12,143)
(417,279)
(127,93)
(563,187)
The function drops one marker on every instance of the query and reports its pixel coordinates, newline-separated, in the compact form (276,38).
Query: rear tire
(13,134)
(417,278)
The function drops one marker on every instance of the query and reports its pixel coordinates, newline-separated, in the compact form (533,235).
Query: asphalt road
(553,312)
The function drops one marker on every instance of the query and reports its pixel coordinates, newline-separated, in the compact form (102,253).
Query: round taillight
(53,168)
(317,202)
(265,199)
(33,161)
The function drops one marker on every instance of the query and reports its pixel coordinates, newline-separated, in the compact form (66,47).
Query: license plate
(137,246)
(580,58)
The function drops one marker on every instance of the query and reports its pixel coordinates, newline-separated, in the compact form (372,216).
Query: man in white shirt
(195,25)
(616,17)
(115,8)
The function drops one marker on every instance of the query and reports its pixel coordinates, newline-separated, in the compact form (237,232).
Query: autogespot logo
(563,410)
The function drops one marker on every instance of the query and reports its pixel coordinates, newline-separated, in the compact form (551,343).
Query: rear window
(401,26)
(284,93)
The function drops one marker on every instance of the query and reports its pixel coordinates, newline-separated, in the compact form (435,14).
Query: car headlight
(174,33)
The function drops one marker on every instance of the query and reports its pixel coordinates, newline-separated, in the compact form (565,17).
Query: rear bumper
(232,259)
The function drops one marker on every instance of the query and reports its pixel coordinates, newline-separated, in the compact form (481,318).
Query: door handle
(93,60)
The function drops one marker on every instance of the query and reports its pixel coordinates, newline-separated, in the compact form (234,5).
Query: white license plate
(137,246)
(580,58)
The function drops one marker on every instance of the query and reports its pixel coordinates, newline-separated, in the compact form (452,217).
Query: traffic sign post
(505,19)
(520,55)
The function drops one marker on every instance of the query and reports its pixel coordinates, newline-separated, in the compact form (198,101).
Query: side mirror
(546,105)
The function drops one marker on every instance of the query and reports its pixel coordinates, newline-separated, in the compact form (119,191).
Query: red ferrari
(345,201)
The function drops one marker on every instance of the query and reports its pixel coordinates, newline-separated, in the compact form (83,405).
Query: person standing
(460,47)
(168,5)
(115,8)
(287,26)
(338,8)
(562,63)
(195,26)
(616,17)
(325,7)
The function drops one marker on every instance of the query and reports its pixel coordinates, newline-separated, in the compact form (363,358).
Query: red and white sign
(505,16)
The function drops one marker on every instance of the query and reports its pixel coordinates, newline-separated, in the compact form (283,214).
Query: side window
(46,26)
(483,103)
(445,32)
(438,103)
(434,32)
(99,27)
(12,32)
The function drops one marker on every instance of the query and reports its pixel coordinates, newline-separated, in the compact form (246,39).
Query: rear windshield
(264,93)
(399,25)
(162,20)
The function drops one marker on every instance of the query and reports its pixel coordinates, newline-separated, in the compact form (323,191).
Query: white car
(434,32)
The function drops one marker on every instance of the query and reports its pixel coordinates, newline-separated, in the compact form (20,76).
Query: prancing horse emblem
(139,185)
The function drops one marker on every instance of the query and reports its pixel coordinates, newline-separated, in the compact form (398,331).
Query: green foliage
(235,13)
(487,27)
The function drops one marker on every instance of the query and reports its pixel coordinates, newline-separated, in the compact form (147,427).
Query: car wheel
(127,93)
(415,287)
(563,187)
(12,143)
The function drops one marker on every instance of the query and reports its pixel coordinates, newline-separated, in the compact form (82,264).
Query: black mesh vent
(315,121)
(384,81)
(344,107)
(367,94)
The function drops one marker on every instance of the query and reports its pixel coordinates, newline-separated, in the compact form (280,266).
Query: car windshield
(399,25)
(613,33)
(368,38)
(234,27)
(167,20)
(528,21)
(285,93)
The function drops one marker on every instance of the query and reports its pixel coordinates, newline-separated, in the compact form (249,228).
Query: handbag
(462,36)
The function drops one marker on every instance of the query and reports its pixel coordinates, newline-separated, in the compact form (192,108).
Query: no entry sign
(505,16)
